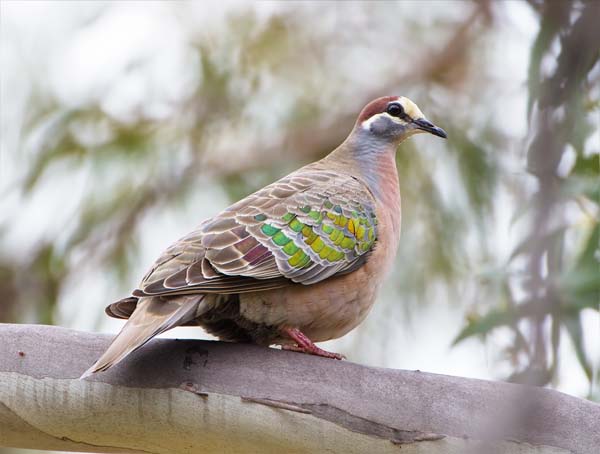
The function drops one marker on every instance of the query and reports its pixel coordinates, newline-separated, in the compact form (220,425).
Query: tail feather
(122,308)
(151,317)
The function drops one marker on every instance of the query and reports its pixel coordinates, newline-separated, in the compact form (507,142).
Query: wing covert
(304,228)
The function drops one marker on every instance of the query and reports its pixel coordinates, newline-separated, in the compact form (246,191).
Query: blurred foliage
(264,94)
(560,280)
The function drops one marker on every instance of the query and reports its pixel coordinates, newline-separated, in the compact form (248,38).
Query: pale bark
(197,396)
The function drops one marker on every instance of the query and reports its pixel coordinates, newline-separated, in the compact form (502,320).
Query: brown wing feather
(231,253)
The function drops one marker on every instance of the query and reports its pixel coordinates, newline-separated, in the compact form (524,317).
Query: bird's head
(395,118)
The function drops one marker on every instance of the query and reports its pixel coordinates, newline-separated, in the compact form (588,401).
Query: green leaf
(506,315)
(582,185)
(587,165)
(477,167)
(484,325)
(580,285)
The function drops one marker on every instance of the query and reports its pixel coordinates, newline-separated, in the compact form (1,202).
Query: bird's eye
(395,110)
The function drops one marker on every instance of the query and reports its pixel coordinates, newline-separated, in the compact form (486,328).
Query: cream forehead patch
(411,108)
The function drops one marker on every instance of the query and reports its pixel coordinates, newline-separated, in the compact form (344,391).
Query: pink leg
(305,345)
(292,348)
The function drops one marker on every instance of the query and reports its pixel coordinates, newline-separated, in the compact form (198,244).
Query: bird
(297,262)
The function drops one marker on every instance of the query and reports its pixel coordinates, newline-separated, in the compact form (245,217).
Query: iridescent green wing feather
(308,226)
(323,228)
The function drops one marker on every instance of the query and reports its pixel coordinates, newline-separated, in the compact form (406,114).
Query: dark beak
(428,126)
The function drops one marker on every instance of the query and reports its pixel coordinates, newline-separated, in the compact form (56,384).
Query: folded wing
(304,228)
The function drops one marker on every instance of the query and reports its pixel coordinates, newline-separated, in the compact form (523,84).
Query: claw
(305,345)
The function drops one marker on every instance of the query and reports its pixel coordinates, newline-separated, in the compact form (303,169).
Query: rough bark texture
(177,396)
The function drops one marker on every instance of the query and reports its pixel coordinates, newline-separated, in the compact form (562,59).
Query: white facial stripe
(368,122)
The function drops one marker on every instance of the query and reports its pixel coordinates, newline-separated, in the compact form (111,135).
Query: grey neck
(370,158)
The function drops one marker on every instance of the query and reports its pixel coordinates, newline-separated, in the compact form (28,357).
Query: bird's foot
(292,348)
(305,345)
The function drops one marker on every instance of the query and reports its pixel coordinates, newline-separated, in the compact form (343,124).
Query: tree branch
(176,396)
